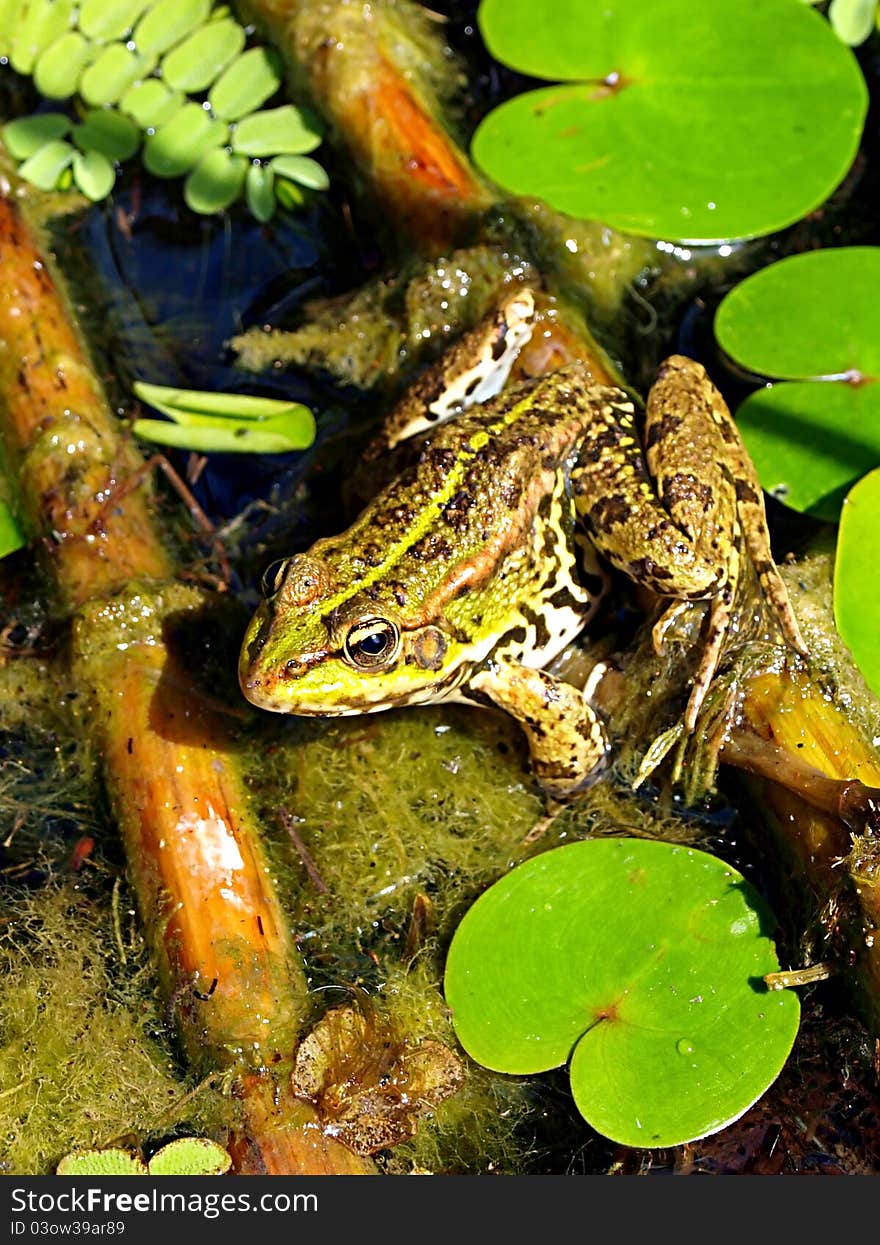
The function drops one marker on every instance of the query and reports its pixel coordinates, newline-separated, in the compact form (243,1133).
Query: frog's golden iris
(464,578)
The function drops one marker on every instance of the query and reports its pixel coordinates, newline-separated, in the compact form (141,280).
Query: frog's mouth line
(277,696)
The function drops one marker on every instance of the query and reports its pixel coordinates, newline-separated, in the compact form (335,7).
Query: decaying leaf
(368,1084)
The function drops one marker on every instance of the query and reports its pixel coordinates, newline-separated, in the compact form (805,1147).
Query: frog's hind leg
(567,741)
(719,621)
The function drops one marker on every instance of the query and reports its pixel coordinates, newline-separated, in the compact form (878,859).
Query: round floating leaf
(57,71)
(109,132)
(812,319)
(100,1163)
(259,192)
(167,23)
(112,72)
(853,20)
(103,20)
(44,168)
(676,120)
(190,1156)
(151,103)
(276,131)
(26,135)
(94,174)
(181,142)
(215,182)
(40,23)
(640,962)
(11,535)
(856,600)
(302,169)
(196,62)
(246,84)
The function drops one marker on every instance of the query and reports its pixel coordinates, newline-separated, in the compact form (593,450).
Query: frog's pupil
(373,645)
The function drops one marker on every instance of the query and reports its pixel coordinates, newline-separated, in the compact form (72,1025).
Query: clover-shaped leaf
(642,964)
(673,119)
(811,321)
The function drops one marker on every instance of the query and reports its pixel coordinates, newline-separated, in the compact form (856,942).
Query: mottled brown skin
(462,580)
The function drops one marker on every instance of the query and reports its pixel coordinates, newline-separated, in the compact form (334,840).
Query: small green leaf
(259,192)
(231,423)
(104,20)
(180,143)
(41,23)
(151,103)
(196,62)
(853,20)
(289,195)
(812,320)
(246,84)
(100,1163)
(190,1156)
(856,600)
(11,12)
(215,182)
(109,132)
(302,169)
(11,535)
(59,66)
(277,130)
(227,437)
(180,404)
(45,167)
(642,964)
(93,174)
(167,23)
(112,72)
(26,135)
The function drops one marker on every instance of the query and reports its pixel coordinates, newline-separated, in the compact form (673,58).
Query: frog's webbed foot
(567,741)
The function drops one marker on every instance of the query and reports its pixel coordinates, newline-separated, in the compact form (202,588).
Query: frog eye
(273,576)
(372,643)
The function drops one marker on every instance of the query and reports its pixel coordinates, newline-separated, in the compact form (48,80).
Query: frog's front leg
(566,739)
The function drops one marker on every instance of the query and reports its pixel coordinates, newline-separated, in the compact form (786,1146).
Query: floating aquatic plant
(185,1156)
(230,423)
(856,600)
(639,963)
(739,128)
(810,323)
(853,20)
(172,78)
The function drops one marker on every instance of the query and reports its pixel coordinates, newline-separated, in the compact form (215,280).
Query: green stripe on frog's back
(422,512)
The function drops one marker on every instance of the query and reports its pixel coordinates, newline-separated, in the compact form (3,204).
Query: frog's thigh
(565,737)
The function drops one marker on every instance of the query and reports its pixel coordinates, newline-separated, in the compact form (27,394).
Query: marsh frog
(474,569)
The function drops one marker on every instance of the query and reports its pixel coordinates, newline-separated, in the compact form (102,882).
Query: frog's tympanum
(466,576)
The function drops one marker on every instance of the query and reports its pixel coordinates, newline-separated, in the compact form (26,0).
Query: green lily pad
(195,63)
(11,535)
(246,84)
(673,120)
(26,135)
(190,1156)
(856,600)
(44,168)
(276,131)
(180,143)
(59,66)
(642,964)
(229,423)
(215,182)
(812,321)
(108,132)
